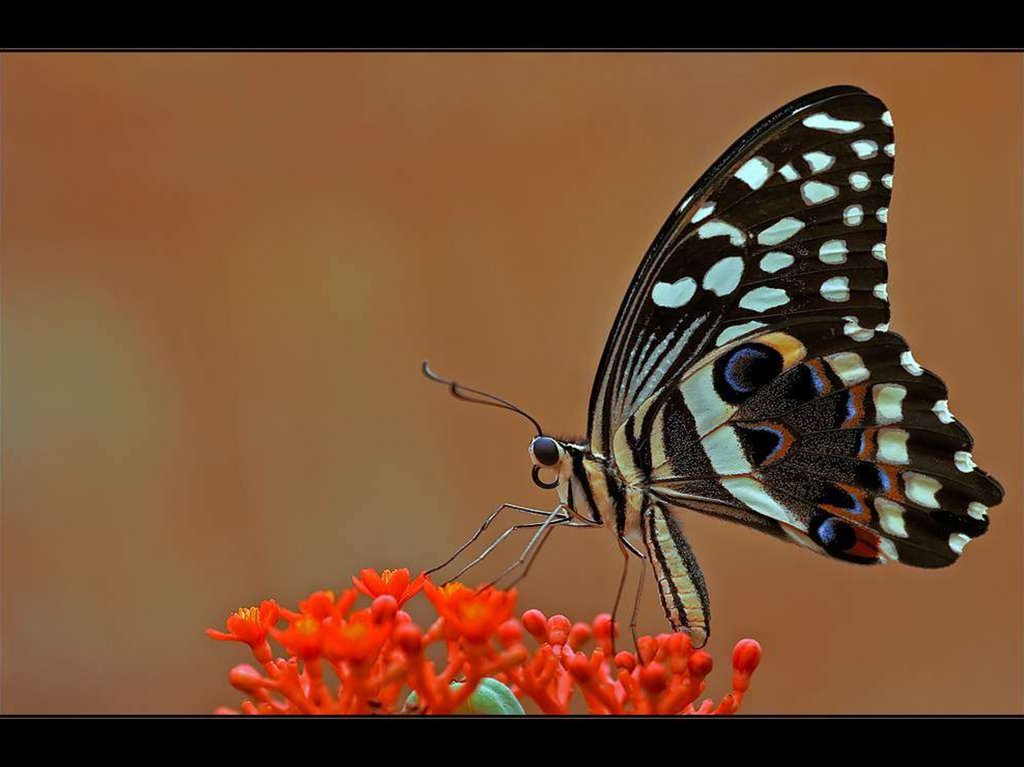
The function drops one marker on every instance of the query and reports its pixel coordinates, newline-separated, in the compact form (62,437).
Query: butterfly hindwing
(836,436)
(790,222)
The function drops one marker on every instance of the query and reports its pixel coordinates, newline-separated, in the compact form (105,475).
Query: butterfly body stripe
(681,583)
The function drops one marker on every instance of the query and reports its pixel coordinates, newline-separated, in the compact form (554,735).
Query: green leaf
(489,697)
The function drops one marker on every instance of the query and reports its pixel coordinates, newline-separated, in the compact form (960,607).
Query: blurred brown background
(222,271)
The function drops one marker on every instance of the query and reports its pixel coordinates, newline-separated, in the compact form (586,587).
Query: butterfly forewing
(789,222)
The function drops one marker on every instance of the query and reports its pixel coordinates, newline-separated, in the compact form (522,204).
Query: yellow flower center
(251,614)
(450,588)
(354,630)
(474,610)
(385,576)
(307,625)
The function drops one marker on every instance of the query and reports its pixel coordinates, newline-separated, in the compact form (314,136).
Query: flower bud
(535,622)
(625,660)
(509,633)
(384,608)
(746,655)
(654,678)
(408,637)
(558,629)
(579,667)
(700,664)
(245,678)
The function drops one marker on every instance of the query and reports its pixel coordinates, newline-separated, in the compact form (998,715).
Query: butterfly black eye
(545,450)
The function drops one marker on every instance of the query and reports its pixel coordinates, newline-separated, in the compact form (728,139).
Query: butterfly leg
(557,517)
(636,609)
(618,593)
(681,586)
(625,547)
(483,527)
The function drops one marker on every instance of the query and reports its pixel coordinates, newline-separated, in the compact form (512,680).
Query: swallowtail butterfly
(751,374)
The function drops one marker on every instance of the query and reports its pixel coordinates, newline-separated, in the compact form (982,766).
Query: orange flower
(392,582)
(249,624)
(323,605)
(475,615)
(377,661)
(356,640)
(304,637)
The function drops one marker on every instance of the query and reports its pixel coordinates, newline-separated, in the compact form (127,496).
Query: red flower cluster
(378,656)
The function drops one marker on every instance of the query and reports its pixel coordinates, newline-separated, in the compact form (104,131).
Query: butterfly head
(547,453)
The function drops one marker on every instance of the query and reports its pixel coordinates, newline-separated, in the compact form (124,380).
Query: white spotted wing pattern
(750,373)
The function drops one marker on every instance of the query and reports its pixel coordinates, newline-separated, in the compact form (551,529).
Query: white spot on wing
(882,214)
(754,172)
(853,215)
(941,409)
(819,161)
(788,172)
(853,329)
(719,228)
(887,181)
(881,291)
(722,278)
(892,446)
(890,149)
(957,541)
(888,550)
(776,260)
(964,461)
(859,180)
(910,364)
(780,231)
(921,489)
(760,299)
(735,331)
(887,118)
(849,367)
(703,212)
(672,295)
(865,149)
(878,251)
(890,515)
(823,121)
(833,252)
(977,510)
(888,400)
(836,289)
(816,192)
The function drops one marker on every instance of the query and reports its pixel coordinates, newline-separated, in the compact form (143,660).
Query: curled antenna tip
(460,392)
(432,375)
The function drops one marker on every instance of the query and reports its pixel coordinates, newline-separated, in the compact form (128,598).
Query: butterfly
(751,374)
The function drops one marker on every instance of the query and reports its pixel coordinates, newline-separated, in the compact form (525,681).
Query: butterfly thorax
(593,488)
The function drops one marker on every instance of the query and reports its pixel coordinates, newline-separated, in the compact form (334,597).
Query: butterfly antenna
(460,392)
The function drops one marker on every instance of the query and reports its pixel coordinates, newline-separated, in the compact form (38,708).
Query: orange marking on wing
(857,394)
(868,440)
(819,369)
(862,515)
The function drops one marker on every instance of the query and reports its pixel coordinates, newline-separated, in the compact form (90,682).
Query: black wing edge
(808,99)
